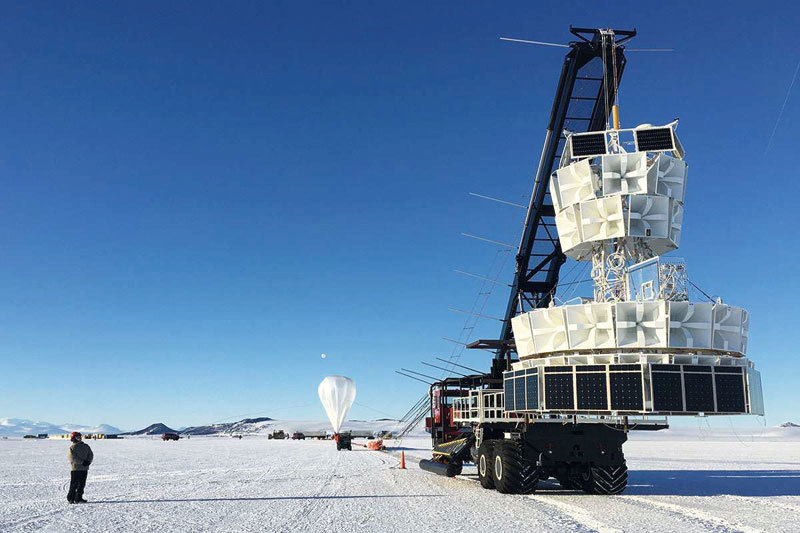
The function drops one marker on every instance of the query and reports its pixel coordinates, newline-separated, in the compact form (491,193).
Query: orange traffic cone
(402,460)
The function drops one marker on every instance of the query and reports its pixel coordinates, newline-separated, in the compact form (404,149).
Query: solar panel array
(588,144)
(521,389)
(654,140)
(621,387)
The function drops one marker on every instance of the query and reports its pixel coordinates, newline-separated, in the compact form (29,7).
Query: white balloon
(323,356)
(337,394)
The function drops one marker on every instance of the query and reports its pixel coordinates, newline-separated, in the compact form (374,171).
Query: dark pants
(77,483)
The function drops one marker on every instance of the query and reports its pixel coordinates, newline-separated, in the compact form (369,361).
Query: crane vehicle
(569,381)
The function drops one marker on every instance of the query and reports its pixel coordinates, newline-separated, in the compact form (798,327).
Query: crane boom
(582,103)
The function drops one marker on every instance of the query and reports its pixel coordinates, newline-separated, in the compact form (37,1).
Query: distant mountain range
(15,427)
(18,427)
(266,425)
(152,429)
(247,425)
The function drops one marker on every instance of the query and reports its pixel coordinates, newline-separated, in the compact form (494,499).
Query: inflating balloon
(337,394)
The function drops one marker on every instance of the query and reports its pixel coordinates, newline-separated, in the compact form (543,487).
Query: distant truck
(298,436)
(170,436)
(343,441)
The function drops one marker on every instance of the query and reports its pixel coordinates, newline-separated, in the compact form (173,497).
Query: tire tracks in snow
(585,518)
(313,506)
(577,515)
(28,520)
(707,520)
(770,502)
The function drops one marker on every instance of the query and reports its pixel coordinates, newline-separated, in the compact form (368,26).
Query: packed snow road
(255,484)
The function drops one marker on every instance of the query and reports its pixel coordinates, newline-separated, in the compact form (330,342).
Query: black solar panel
(667,393)
(666,368)
(705,369)
(508,385)
(699,393)
(558,391)
(559,369)
(626,390)
(626,367)
(727,369)
(532,392)
(519,394)
(730,393)
(592,391)
(588,144)
(654,139)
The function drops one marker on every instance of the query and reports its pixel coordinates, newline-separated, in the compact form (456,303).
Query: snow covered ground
(681,480)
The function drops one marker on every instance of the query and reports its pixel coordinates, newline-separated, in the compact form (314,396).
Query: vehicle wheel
(608,479)
(512,474)
(485,464)
(473,454)
(454,468)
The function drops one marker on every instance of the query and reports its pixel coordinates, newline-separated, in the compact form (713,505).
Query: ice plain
(680,480)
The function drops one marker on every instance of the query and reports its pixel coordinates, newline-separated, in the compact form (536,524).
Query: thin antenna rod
(475,314)
(417,373)
(442,368)
(487,240)
(533,42)
(498,200)
(649,49)
(412,377)
(464,344)
(482,277)
(456,364)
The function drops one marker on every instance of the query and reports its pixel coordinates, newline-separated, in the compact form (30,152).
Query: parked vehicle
(343,441)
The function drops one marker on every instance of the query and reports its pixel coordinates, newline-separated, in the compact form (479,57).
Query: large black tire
(608,479)
(485,464)
(512,474)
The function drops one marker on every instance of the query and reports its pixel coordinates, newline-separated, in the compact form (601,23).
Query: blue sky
(197,201)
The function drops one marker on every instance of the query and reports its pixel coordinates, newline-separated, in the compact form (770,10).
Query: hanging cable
(699,289)
(615,80)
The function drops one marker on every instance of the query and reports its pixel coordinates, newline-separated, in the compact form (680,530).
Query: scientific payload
(570,379)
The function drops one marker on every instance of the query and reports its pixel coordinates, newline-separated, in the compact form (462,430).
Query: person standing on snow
(80,457)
